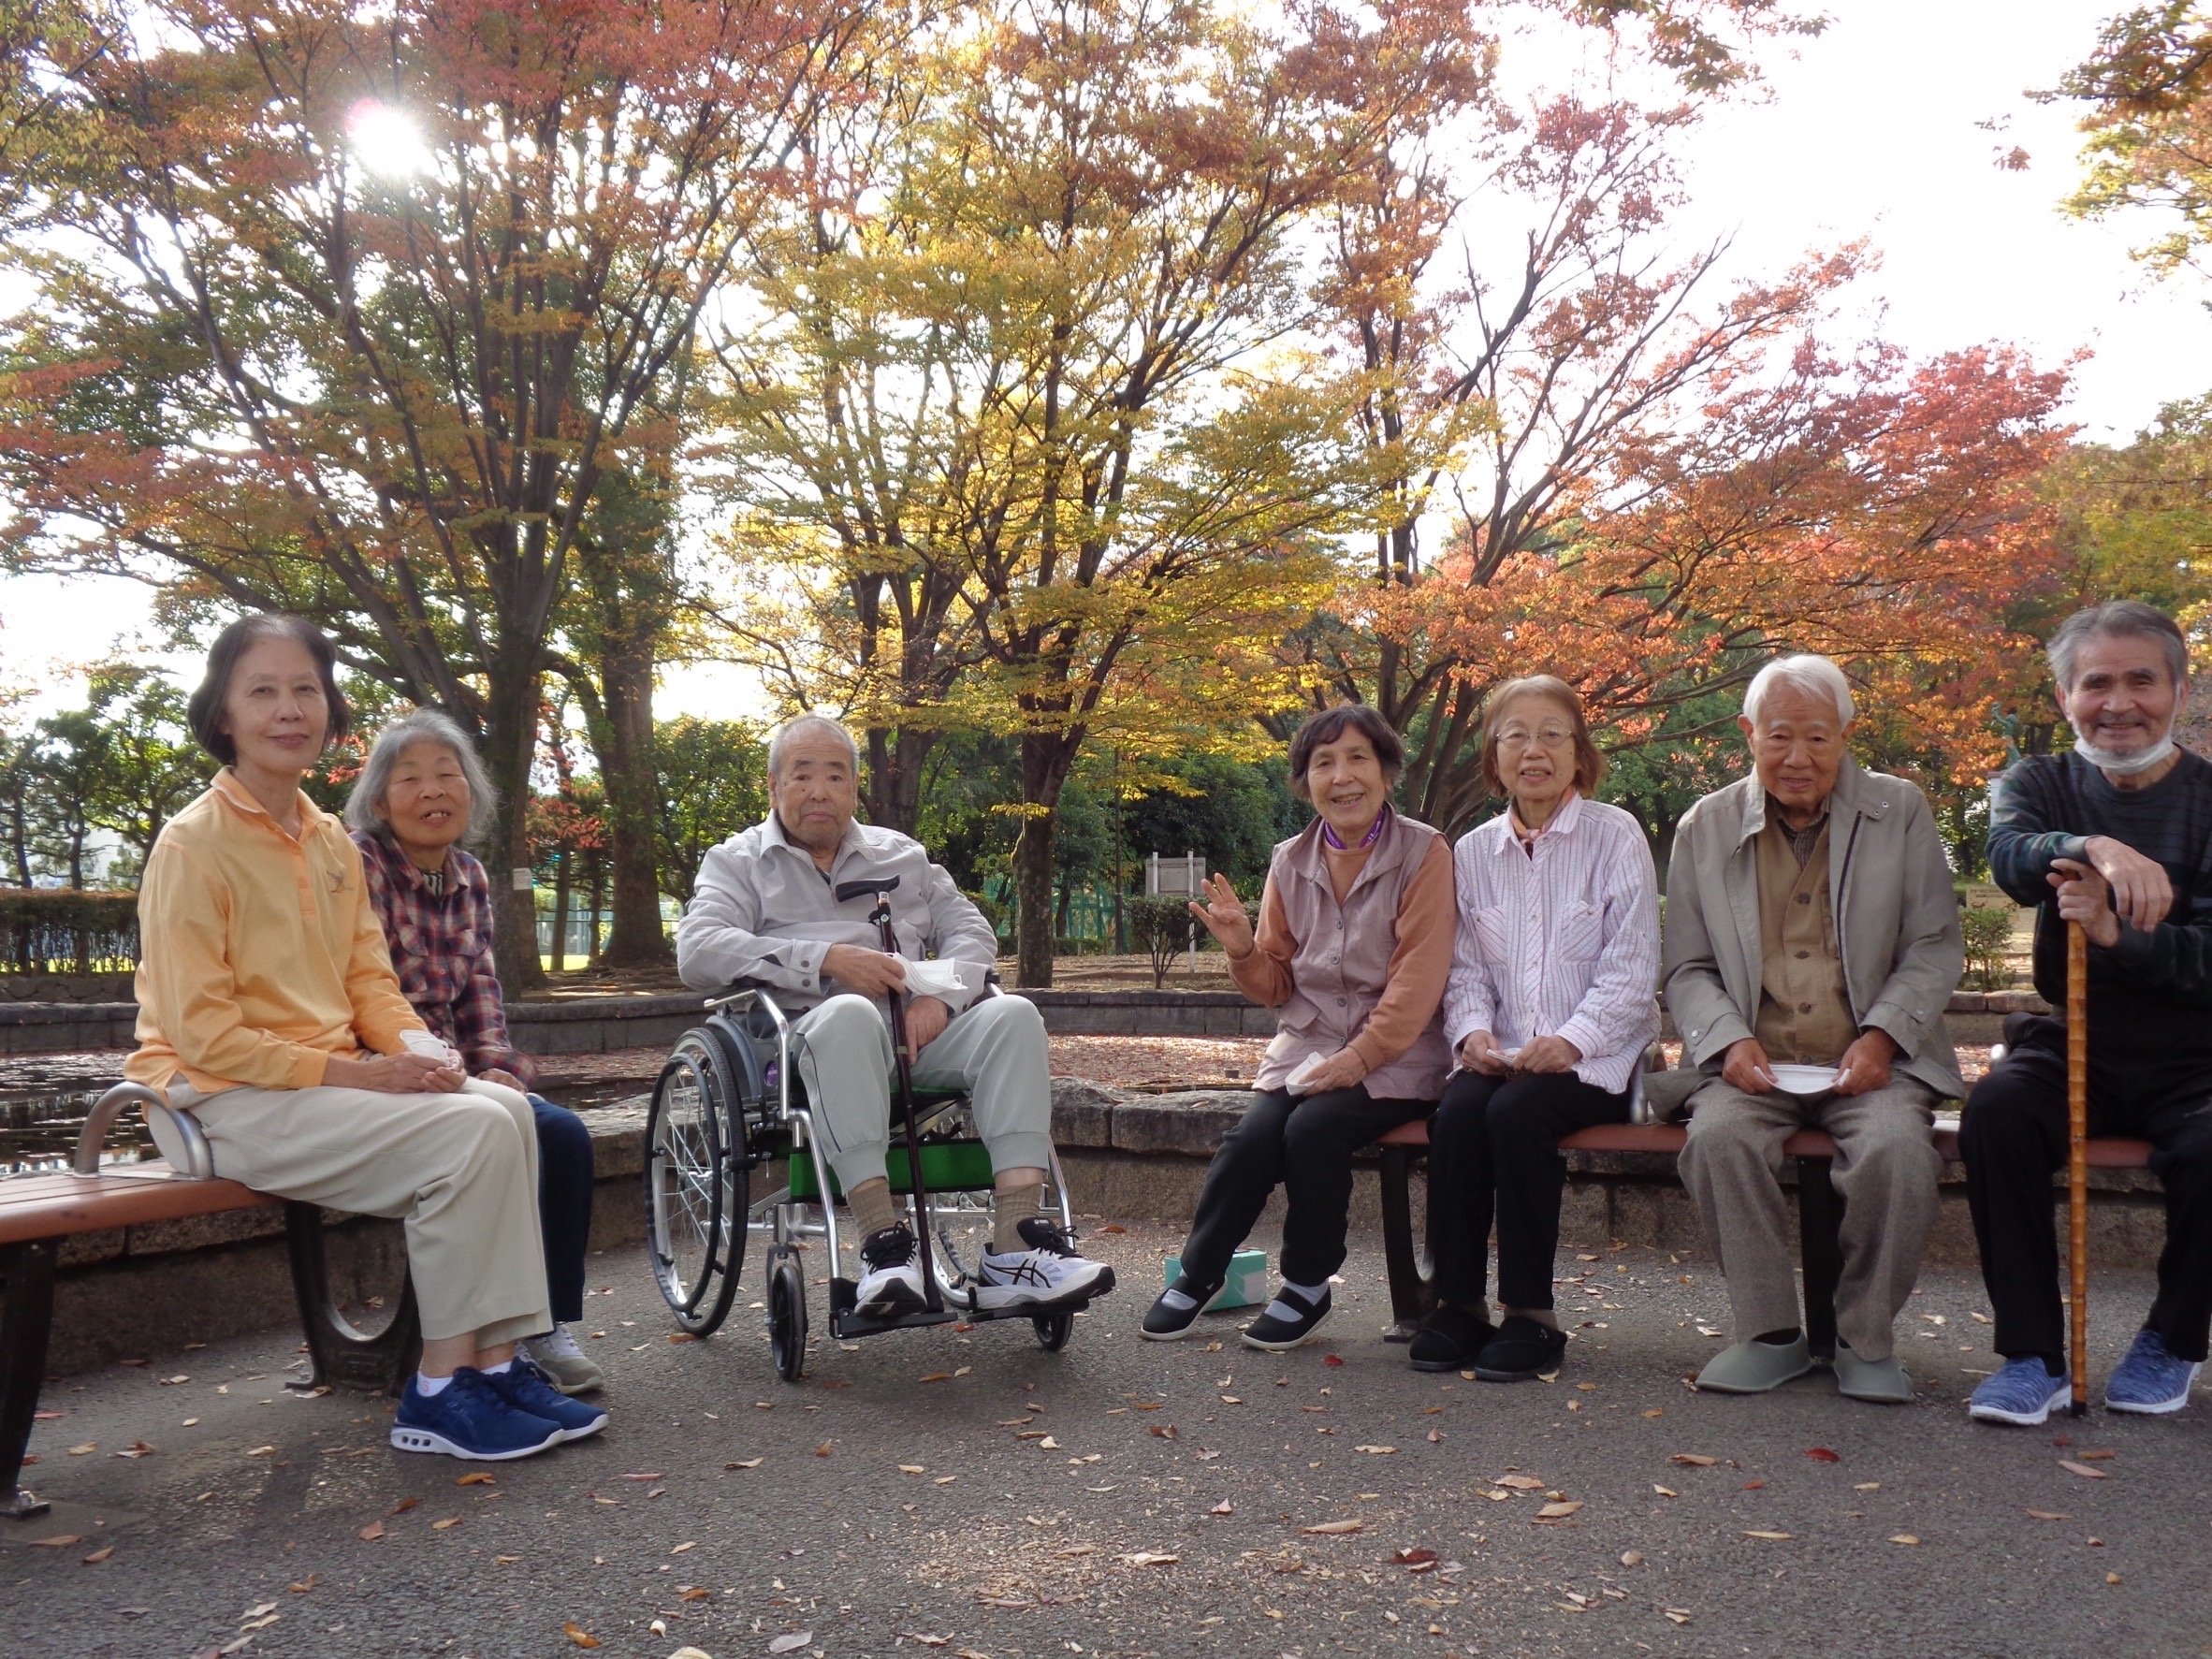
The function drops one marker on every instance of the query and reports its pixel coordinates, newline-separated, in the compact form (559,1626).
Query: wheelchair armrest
(199,1159)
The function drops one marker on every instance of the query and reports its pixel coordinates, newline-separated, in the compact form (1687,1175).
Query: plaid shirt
(441,946)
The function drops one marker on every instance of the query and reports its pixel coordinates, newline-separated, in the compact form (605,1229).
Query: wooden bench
(39,1212)
(1820,1209)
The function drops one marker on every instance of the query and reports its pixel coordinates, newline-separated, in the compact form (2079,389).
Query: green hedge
(61,930)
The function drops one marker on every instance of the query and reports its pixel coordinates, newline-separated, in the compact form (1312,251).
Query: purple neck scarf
(1368,840)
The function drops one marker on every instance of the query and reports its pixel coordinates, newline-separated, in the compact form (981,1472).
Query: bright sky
(1869,130)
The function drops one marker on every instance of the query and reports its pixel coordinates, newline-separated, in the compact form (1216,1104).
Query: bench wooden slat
(129,1195)
(2111,1152)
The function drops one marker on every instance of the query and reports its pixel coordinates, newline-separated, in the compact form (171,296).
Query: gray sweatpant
(461,1170)
(993,1048)
(1885,1169)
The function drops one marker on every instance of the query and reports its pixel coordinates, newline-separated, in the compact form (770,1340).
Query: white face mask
(2127,765)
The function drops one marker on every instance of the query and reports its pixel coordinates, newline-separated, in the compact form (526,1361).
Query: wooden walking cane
(2077,1153)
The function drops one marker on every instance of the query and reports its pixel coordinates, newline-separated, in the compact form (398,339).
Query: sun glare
(386,141)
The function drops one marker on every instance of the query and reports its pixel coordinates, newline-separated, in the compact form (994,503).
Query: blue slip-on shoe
(2020,1391)
(469,1419)
(529,1391)
(2150,1380)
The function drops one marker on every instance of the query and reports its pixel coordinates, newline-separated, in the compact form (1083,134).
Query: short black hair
(1327,725)
(204,711)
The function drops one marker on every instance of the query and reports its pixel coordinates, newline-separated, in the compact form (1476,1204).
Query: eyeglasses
(1545,736)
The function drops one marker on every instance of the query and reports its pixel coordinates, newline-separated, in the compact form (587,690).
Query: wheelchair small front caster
(1053,1330)
(787,1318)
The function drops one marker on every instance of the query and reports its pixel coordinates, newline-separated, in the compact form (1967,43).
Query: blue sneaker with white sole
(2150,1380)
(469,1419)
(2021,1391)
(529,1391)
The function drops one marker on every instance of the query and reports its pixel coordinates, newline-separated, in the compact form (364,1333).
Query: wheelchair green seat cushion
(947,1166)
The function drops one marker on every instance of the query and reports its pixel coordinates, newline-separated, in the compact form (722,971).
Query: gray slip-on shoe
(1754,1367)
(1882,1381)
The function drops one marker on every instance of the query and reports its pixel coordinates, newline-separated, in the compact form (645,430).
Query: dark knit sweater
(2148,993)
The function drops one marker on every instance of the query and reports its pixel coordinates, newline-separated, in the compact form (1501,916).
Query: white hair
(1816,675)
(798,726)
(364,808)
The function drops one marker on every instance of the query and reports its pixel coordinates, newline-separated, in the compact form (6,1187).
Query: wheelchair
(728,1104)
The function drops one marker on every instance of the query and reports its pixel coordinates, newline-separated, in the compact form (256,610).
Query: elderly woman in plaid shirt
(422,792)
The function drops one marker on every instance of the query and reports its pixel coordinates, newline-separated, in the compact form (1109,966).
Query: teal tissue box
(1247,1284)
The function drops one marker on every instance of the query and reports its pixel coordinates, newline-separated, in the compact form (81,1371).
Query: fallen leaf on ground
(654,1474)
(1151,1558)
(1223,1507)
(1632,1558)
(682,1336)
(2095,1456)
(1821,1454)
(578,1634)
(2112,1577)
(938,1377)
(1868,1486)
(1114,1227)
(1696,1460)
(137,1449)
(2049,1514)
(787,1644)
(1777,1537)
(928,1641)
(1331,1360)
(745,1463)
(687,1544)
(1078,1549)
(1165,1430)
(85,1450)
(1414,1557)
(1520,1482)
(478,1478)
(99,1555)
(446,1525)
(823,1450)
(1335,1527)
(1665,1492)
(1656,1411)
(1380,1451)
(1904,1539)
(912,1469)
(59,1541)
(260,1451)
(1435,1436)
(369,1533)
(402,1506)
(1557,1512)
(306,1584)
(1677,1615)
(2083,1470)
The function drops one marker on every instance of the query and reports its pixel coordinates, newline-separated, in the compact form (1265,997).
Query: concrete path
(973,1496)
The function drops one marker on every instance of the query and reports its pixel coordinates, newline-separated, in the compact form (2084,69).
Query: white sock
(1279,1309)
(430,1387)
(502,1365)
(1177,1301)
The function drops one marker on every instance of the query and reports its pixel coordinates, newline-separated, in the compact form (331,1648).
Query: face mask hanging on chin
(2127,765)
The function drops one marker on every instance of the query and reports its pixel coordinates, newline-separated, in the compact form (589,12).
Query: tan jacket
(1365,975)
(1896,921)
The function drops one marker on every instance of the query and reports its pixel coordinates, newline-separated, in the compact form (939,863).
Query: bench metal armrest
(199,1159)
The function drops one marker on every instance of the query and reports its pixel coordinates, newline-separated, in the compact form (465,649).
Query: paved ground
(1127,1498)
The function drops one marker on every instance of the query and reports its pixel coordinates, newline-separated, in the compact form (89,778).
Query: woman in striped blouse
(1548,1009)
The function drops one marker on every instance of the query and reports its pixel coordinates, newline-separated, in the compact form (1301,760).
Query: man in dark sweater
(2116,835)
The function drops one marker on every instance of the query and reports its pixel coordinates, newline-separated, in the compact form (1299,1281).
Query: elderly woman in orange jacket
(1352,951)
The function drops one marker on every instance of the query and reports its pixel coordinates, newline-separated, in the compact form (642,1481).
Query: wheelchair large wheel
(1053,1330)
(787,1318)
(697,1188)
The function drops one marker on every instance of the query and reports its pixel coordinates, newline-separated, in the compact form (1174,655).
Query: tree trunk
(1045,761)
(597,904)
(625,755)
(895,759)
(560,891)
(509,744)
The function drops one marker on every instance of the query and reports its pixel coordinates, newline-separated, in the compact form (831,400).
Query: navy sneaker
(529,1391)
(469,1419)
(2149,1380)
(2021,1391)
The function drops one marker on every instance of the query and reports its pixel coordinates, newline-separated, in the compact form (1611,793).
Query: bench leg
(26,1321)
(343,1356)
(1412,1286)
(1820,1231)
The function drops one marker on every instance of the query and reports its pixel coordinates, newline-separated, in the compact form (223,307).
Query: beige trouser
(994,1049)
(1886,1171)
(460,1170)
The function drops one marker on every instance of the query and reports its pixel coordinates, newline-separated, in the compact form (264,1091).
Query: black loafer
(1164,1322)
(1274,1334)
(1448,1340)
(1523,1348)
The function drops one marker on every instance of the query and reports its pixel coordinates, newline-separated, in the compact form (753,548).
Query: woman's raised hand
(1223,913)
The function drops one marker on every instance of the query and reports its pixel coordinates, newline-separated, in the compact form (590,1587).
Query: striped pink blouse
(1565,943)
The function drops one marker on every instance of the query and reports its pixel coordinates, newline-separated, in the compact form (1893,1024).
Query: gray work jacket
(765,912)
(1896,921)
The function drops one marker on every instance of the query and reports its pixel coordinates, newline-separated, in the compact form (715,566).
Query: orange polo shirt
(259,955)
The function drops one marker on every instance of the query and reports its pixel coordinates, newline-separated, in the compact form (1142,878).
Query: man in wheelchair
(767,909)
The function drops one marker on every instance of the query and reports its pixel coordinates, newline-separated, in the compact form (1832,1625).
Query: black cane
(905,1072)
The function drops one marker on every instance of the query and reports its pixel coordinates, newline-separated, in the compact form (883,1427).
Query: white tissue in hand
(1304,1072)
(935,978)
(431,1045)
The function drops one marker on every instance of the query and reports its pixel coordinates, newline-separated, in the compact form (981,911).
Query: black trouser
(1303,1143)
(2014,1136)
(1493,1147)
(564,1203)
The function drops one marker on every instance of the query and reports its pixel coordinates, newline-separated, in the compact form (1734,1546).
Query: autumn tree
(353,310)
(2148,125)
(713,783)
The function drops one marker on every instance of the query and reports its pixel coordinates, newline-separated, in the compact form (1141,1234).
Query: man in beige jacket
(1812,943)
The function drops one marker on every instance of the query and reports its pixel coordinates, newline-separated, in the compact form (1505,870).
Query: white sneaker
(892,1286)
(566,1365)
(1045,1275)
